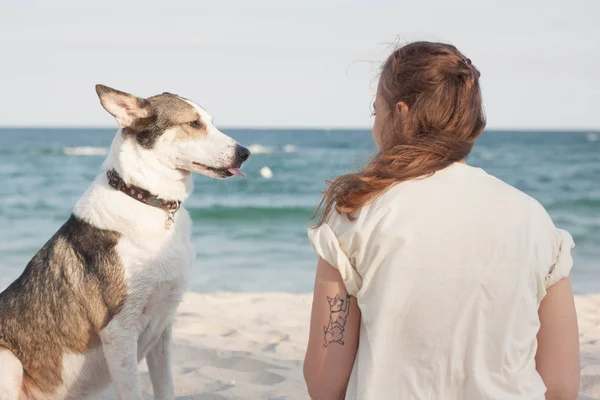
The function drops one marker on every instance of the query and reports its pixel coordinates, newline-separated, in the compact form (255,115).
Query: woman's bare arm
(333,340)
(557,358)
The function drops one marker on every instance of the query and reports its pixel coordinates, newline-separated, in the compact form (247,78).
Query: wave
(486,155)
(260,149)
(102,151)
(302,214)
(85,151)
(248,214)
(575,204)
(593,137)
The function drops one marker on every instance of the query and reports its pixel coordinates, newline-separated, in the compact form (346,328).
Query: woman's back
(449,271)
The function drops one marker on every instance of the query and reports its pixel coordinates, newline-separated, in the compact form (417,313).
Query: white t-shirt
(448,272)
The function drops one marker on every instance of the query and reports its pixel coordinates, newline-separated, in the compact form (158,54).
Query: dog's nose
(242,153)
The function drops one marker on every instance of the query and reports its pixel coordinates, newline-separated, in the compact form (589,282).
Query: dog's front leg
(120,351)
(159,366)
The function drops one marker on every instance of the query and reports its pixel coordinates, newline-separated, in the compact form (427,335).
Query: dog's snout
(242,153)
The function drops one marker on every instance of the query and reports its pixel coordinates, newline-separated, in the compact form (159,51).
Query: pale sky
(279,63)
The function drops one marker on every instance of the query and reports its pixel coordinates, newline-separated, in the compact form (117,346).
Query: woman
(436,280)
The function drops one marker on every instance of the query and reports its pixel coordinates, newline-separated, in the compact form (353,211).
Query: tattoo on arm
(338,314)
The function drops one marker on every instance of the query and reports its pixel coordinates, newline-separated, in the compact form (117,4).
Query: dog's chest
(157,258)
(156,314)
(156,271)
(153,304)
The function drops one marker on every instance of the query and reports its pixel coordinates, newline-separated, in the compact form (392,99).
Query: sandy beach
(250,346)
(588,313)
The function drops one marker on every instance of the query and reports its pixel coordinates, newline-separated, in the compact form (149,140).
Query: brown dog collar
(170,207)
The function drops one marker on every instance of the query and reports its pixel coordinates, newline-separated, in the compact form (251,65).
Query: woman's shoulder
(459,188)
(457,180)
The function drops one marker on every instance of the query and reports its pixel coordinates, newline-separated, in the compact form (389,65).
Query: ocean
(250,234)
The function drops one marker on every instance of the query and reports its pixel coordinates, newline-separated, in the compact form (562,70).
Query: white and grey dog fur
(100,296)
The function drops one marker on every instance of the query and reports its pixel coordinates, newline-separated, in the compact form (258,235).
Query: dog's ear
(125,107)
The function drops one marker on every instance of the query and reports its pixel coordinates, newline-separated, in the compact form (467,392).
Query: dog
(338,309)
(101,294)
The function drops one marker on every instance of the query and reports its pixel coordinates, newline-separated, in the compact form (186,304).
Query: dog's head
(335,304)
(180,134)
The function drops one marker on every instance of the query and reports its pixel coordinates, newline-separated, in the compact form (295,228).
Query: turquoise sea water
(250,235)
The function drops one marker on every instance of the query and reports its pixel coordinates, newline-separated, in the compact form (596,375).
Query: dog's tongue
(237,171)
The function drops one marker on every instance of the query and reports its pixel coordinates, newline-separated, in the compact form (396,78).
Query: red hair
(440,88)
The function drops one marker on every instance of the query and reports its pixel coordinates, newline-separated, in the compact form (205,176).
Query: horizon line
(303,128)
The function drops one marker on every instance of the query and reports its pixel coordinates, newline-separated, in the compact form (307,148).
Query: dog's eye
(195,124)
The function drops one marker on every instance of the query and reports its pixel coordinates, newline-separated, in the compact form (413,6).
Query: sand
(588,314)
(250,346)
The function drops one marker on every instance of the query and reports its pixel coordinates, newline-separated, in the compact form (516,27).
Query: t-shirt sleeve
(553,248)
(326,243)
(563,260)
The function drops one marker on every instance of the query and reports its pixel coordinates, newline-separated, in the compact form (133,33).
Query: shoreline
(234,346)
